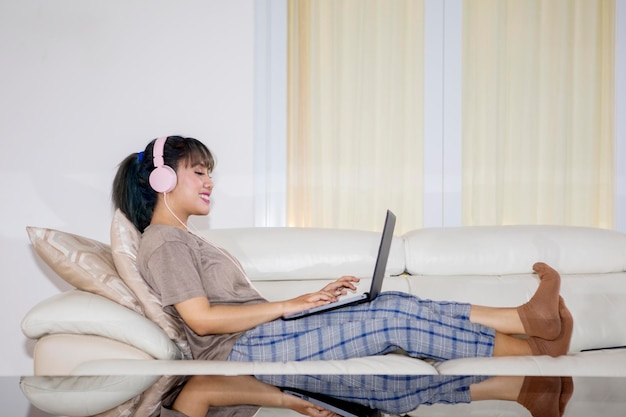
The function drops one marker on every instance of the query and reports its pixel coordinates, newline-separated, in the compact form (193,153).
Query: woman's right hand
(329,294)
(306,408)
(307,301)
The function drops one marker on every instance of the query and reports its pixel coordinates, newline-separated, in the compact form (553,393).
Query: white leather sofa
(84,334)
(79,332)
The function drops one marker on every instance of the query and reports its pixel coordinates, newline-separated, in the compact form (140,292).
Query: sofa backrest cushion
(306,253)
(503,250)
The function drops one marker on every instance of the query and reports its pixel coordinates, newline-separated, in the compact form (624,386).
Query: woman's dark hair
(132,193)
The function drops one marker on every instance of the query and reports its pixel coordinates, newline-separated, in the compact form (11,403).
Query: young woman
(225,318)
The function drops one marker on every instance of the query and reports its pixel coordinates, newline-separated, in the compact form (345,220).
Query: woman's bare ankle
(506,345)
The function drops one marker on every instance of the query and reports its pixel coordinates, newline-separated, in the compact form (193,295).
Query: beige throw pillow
(86,264)
(125,240)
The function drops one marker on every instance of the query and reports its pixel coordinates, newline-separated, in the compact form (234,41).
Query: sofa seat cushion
(597,301)
(372,365)
(596,363)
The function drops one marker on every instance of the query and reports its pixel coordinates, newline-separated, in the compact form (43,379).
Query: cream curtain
(538,112)
(355,121)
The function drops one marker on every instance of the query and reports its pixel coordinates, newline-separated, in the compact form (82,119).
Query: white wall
(83,84)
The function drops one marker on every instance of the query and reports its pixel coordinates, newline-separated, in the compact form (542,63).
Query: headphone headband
(157,152)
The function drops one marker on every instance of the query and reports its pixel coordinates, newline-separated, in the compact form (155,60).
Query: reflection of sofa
(141,396)
(113,316)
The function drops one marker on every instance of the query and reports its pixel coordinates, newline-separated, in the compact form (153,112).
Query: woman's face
(192,192)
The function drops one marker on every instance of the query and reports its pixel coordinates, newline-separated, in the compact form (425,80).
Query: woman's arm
(202,392)
(204,318)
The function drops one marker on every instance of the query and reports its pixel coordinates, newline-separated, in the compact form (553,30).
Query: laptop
(341,407)
(377,278)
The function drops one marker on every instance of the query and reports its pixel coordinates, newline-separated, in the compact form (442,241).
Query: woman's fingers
(342,285)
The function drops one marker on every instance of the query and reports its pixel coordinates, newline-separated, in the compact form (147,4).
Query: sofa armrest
(80,312)
(83,395)
(61,354)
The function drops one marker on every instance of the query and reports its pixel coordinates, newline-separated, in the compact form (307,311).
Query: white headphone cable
(198,235)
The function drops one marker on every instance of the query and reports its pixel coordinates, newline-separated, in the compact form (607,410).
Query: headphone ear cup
(163,179)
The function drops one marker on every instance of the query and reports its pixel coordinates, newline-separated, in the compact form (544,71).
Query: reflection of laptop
(377,278)
(341,407)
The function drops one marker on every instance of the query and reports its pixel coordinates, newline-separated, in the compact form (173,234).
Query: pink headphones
(163,177)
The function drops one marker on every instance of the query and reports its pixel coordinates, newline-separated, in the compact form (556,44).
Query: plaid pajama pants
(394,321)
(395,394)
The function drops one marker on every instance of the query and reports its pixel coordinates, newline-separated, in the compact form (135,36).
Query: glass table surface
(324,395)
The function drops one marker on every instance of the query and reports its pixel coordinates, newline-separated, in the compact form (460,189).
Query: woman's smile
(205,197)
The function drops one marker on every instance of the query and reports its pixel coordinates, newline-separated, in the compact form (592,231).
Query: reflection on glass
(366,395)
(309,395)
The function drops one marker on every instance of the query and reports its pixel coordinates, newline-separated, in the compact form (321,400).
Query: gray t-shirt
(232,411)
(179,265)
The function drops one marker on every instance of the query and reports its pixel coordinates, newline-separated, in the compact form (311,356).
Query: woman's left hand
(341,286)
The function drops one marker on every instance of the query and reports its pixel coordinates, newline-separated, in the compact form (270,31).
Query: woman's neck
(163,215)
